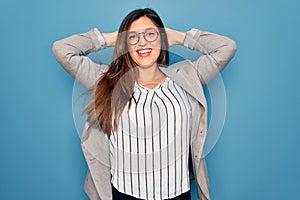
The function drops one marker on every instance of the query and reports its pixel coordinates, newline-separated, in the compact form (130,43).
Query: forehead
(142,23)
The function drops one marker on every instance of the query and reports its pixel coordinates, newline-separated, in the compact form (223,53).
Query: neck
(150,74)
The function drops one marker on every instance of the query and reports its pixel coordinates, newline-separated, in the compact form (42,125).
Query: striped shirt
(149,152)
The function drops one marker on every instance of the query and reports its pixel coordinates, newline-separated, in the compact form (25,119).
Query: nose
(142,41)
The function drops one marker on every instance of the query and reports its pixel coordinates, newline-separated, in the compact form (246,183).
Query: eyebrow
(135,31)
(132,32)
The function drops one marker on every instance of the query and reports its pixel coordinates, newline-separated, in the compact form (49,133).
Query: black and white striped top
(149,152)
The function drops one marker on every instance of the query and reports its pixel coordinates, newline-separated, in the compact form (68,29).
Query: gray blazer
(191,76)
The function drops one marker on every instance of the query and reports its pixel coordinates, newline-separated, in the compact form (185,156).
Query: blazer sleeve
(71,54)
(216,51)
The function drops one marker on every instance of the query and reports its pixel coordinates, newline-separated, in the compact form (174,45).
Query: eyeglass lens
(150,35)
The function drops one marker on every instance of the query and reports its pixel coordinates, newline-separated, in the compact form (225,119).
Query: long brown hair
(115,87)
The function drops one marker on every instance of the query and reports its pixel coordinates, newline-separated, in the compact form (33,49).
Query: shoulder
(181,64)
(183,71)
(186,66)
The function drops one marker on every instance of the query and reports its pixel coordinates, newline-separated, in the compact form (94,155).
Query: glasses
(150,35)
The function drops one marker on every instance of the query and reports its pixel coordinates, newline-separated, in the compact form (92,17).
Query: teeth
(144,51)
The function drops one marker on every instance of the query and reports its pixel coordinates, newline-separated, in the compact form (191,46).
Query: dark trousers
(120,196)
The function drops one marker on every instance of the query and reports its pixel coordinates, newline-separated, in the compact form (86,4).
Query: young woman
(147,121)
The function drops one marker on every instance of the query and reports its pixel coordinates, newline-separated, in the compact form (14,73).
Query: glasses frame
(143,33)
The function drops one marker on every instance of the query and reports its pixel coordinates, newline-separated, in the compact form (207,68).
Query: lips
(144,52)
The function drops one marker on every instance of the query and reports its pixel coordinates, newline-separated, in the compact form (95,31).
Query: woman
(147,122)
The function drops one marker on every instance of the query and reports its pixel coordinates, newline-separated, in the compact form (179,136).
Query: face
(147,49)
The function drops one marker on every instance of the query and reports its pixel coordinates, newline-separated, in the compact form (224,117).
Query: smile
(144,52)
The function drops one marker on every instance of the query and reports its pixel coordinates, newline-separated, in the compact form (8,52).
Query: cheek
(133,55)
(131,50)
(156,53)
(157,49)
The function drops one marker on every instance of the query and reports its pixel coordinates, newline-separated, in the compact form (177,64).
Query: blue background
(257,155)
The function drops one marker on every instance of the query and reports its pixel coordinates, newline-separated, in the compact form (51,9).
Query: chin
(146,65)
(146,62)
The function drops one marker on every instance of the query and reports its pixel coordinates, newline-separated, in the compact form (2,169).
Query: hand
(175,37)
(110,38)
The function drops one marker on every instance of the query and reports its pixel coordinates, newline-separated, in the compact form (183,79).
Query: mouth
(144,52)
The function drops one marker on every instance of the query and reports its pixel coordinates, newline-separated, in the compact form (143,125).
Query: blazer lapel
(185,76)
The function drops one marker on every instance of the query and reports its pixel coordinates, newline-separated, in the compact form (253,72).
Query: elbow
(232,47)
(55,49)
(227,54)
(59,54)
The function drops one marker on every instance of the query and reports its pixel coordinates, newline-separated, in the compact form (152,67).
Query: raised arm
(71,54)
(217,50)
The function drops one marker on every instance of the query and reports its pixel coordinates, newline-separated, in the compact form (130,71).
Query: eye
(132,36)
(150,34)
